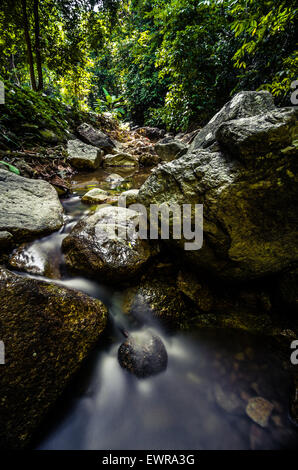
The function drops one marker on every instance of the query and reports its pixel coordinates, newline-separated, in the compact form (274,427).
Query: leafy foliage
(171,63)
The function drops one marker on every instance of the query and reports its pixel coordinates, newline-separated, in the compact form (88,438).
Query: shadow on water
(199,402)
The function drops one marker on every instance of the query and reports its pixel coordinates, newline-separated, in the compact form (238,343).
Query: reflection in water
(199,402)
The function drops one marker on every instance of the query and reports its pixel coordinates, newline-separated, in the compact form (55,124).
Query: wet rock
(106,245)
(258,135)
(143,354)
(157,297)
(147,159)
(95,137)
(244,104)
(83,156)
(115,179)
(170,150)
(129,197)
(47,331)
(6,240)
(30,259)
(28,208)
(241,201)
(96,196)
(259,410)
(120,159)
(198,291)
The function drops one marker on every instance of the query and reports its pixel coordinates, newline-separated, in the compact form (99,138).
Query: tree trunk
(28,44)
(13,69)
(37,45)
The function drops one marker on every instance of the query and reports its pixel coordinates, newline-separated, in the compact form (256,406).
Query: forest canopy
(168,63)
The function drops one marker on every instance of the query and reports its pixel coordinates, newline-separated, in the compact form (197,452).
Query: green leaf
(11,168)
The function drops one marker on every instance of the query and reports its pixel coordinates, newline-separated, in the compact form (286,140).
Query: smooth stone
(259,410)
(83,156)
(28,208)
(143,354)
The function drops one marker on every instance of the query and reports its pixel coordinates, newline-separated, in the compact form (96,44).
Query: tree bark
(37,45)
(29,45)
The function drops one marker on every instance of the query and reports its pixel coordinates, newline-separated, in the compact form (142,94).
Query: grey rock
(168,151)
(128,197)
(95,137)
(250,211)
(28,208)
(96,196)
(244,104)
(248,138)
(83,156)
(143,354)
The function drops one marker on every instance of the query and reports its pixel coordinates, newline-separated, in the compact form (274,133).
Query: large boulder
(106,245)
(250,208)
(120,159)
(47,331)
(95,137)
(244,104)
(28,208)
(83,156)
(258,135)
(168,151)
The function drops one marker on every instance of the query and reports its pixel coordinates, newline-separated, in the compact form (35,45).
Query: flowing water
(199,402)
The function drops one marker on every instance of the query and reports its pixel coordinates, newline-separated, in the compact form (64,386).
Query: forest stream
(198,402)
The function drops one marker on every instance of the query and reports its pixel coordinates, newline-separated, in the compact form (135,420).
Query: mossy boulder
(47,331)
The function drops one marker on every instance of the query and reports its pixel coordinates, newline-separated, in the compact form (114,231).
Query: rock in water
(106,245)
(48,331)
(95,137)
(83,156)
(143,354)
(28,208)
(259,410)
(96,196)
(120,159)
